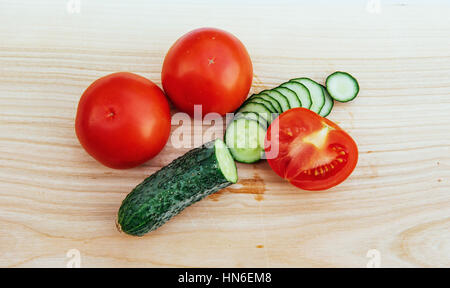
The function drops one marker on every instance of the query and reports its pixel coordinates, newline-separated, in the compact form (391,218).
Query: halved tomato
(310,151)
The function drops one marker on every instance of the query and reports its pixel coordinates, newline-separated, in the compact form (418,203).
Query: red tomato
(123,120)
(207,67)
(313,152)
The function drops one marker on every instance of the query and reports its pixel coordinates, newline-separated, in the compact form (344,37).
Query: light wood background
(54,197)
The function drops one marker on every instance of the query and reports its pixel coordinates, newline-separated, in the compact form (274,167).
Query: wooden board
(54,197)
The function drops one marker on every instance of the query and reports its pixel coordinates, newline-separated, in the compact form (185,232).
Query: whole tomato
(123,120)
(208,67)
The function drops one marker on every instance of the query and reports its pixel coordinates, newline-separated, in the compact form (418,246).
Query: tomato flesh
(313,153)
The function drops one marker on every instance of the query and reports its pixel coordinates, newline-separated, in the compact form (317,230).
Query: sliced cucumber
(259,109)
(329,103)
(274,102)
(225,161)
(342,86)
(301,91)
(252,116)
(248,115)
(284,103)
(245,140)
(262,101)
(294,102)
(315,90)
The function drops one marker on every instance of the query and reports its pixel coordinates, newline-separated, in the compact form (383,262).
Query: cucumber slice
(248,115)
(301,91)
(245,139)
(186,180)
(259,109)
(342,86)
(225,161)
(262,101)
(329,103)
(294,102)
(274,102)
(282,100)
(315,90)
(252,116)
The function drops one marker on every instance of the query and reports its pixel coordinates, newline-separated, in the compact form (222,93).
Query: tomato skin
(314,153)
(208,67)
(123,120)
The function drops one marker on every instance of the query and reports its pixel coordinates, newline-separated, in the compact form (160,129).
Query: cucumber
(252,116)
(245,139)
(189,178)
(259,109)
(329,103)
(248,115)
(266,103)
(282,100)
(274,102)
(301,91)
(316,92)
(342,86)
(294,102)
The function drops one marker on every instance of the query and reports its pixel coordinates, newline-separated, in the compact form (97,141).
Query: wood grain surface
(54,197)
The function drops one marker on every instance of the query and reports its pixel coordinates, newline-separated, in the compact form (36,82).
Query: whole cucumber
(186,180)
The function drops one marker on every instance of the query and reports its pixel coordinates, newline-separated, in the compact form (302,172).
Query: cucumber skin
(165,193)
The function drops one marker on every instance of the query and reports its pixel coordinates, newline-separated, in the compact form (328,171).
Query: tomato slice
(310,151)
